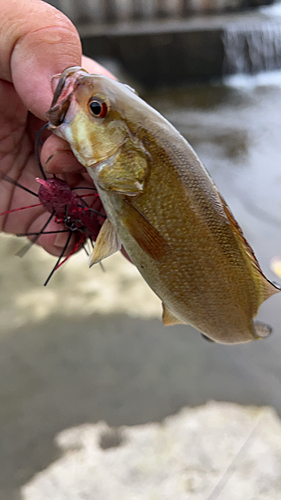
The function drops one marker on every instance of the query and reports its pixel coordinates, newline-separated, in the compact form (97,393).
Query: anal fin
(169,318)
(107,243)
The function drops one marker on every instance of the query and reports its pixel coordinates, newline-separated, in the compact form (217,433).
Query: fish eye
(98,107)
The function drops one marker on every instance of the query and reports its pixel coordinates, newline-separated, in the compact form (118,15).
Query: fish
(163,207)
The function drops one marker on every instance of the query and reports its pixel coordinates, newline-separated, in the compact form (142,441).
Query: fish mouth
(62,96)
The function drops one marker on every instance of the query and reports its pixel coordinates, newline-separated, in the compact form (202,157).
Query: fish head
(90,112)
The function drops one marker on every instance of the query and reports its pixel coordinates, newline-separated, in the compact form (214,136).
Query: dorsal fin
(269,288)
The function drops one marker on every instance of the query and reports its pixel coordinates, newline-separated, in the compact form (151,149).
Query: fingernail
(67,151)
(60,240)
(54,81)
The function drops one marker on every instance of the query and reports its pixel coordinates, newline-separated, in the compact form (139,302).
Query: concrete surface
(214,452)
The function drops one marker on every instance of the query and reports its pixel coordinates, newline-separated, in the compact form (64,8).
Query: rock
(219,450)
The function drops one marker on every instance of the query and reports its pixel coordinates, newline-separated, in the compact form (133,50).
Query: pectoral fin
(145,234)
(169,318)
(107,243)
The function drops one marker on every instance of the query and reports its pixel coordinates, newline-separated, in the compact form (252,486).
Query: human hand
(37,41)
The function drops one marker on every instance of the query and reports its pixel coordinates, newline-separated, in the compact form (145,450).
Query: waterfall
(252,48)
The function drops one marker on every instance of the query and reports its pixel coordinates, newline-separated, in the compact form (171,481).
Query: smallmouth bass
(164,208)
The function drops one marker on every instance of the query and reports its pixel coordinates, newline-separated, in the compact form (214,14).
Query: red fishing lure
(67,207)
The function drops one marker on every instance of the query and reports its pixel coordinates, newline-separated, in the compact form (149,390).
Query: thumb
(37,41)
